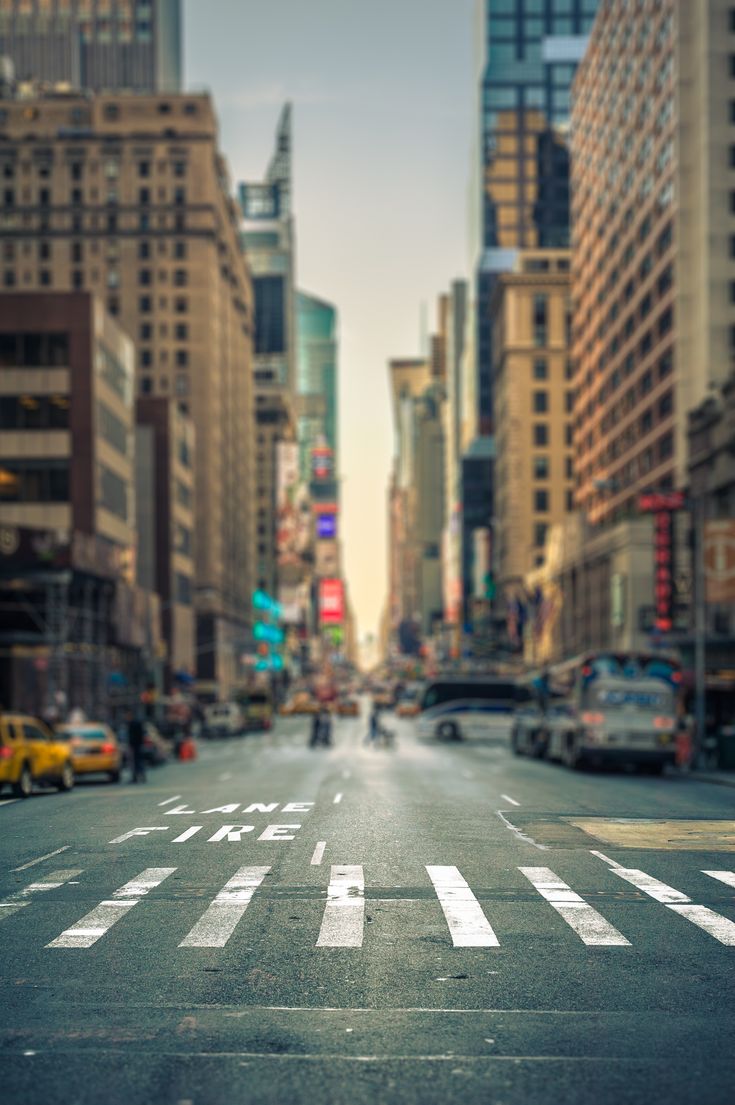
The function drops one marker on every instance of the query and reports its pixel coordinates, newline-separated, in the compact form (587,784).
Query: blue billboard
(326,526)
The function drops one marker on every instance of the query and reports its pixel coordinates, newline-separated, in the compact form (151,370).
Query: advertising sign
(327,559)
(293,507)
(322,462)
(719,561)
(331,602)
(326,526)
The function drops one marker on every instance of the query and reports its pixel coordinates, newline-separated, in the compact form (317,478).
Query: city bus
(457,707)
(614,707)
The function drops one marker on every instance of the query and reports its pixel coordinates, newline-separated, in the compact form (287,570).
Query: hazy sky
(384,117)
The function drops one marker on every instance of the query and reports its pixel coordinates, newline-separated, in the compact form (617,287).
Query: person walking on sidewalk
(136,739)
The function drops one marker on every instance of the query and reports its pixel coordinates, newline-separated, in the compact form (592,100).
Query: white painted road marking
(142,831)
(508,798)
(468,925)
(720,927)
(170,800)
(20,898)
(225,776)
(8,801)
(96,923)
(33,862)
(728,877)
(337,798)
(215,927)
(606,859)
(344,914)
(590,926)
(316,859)
(187,833)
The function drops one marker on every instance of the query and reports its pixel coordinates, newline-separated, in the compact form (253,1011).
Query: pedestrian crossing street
(343,920)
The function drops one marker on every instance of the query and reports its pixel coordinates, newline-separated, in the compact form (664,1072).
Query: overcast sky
(384,103)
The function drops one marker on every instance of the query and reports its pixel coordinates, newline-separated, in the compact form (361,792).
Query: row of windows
(45,249)
(181,358)
(639,466)
(47,167)
(541,402)
(180,278)
(110,224)
(113,429)
(541,435)
(182,385)
(34,481)
(77,198)
(34,412)
(44,350)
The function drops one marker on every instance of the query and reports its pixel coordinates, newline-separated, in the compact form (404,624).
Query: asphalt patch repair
(661,834)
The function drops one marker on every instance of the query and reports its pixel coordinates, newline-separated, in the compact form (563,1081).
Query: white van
(223,719)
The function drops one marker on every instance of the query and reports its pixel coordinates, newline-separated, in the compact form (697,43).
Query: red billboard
(331,602)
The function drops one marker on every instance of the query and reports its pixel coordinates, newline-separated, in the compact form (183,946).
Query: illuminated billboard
(326,527)
(331,602)
(293,530)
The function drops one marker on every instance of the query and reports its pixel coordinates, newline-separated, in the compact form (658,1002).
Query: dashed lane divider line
(507,798)
(318,856)
(337,798)
(170,800)
(33,862)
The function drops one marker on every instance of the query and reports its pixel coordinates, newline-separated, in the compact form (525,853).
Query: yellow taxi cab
(348,707)
(303,703)
(409,707)
(94,749)
(30,753)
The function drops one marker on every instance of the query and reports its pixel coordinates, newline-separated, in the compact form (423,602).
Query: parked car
(94,749)
(223,719)
(30,753)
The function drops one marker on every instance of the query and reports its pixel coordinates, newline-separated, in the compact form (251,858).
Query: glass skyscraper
(316,379)
(532,51)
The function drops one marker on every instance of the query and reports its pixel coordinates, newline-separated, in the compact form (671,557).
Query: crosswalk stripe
(217,924)
(468,925)
(343,922)
(52,881)
(590,926)
(98,921)
(728,877)
(721,928)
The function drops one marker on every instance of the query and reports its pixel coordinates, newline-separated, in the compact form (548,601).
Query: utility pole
(700,624)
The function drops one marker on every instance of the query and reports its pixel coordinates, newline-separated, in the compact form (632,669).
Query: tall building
(533,376)
(532,50)
(452,413)
(316,380)
(267,236)
(654,243)
(103,45)
(75,628)
(128,196)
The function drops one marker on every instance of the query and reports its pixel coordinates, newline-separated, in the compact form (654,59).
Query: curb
(719,780)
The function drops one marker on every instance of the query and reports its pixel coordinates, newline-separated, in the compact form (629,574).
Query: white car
(223,719)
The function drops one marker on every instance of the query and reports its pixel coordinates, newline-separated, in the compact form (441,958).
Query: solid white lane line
(713,923)
(217,924)
(728,877)
(33,862)
(98,921)
(589,925)
(508,798)
(52,881)
(521,836)
(170,800)
(337,799)
(316,859)
(344,914)
(8,801)
(468,925)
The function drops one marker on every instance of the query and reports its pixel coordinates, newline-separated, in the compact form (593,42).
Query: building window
(144,196)
(569,500)
(34,481)
(568,436)
(568,468)
(180,278)
(180,251)
(113,305)
(181,331)
(146,358)
(146,331)
(113,493)
(539,534)
(144,168)
(541,500)
(182,384)
(144,304)
(179,195)
(181,305)
(540,369)
(9,278)
(541,468)
(540,402)
(731,62)
(146,385)
(539,320)
(179,168)
(540,433)
(77,279)
(569,401)
(182,358)
(144,277)
(44,278)
(144,251)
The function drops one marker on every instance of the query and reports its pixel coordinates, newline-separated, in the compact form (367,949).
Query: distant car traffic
(94,749)
(30,753)
(409,703)
(302,702)
(348,707)
(223,719)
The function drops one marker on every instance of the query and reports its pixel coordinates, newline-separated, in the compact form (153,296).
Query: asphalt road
(425,924)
